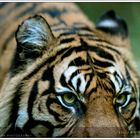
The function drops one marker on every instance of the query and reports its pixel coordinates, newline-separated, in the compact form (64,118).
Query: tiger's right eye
(122,99)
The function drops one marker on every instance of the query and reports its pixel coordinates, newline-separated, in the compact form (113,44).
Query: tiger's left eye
(69,98)
(122,99)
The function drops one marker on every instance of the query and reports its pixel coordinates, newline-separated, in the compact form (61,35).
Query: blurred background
(130,11)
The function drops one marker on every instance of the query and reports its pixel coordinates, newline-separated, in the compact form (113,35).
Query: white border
(70,138)
(86,1)
(69,1)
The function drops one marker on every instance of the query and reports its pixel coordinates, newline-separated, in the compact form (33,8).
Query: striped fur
(62,76)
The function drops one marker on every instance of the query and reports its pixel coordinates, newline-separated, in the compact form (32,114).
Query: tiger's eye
(69,98)
(121,99)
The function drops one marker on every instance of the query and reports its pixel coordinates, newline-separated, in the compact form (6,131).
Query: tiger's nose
(101,120)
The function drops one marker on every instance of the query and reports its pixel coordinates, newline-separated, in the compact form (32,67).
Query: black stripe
(127,73)
(67,52)
(102,53)
(91,75)
(99,83)
(136,123)
(102,84)
(107,88)
(48,76)
(66,134)
(74,49)
(33,123)
(93,90)
(110,48)
(32,98)
(95,38)
(117,76)
(49,61)
(77,62)
(66,40)
(102,64)
(112,85)
(84,29)
(101,75)
(75,30)
(78,85)
(48,91)
(63,81)
(66,34)
(99,43)
(71,84)
(74,74)
(56,115)
(55,26)
(54,12)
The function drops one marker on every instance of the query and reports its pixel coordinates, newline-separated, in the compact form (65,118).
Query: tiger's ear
(112,24)
(33,37)
(115,27)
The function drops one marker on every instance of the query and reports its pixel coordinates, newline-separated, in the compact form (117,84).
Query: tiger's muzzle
(101,120)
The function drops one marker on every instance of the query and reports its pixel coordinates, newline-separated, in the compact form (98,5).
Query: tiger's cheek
(40,105)
(47,108)
(63,113)
(127,112)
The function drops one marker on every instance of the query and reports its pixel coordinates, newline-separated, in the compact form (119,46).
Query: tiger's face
(78,91)
(85,88)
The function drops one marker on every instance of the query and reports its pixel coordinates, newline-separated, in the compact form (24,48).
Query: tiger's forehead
(83,64)
(78,69)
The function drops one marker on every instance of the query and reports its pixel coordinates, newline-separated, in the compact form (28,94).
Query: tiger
(61,75)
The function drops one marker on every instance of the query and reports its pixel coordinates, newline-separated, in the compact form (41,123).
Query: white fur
(22,118)
(35,34)
(62,89)
(83,82)
(69,72)
(117,84)
(34,31)
(108,23)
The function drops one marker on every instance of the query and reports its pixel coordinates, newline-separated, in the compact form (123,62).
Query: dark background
(130,11)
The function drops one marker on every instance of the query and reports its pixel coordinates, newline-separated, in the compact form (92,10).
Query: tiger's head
(79,84)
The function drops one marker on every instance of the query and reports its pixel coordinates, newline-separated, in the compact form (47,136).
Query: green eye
(69,98)
(122,99)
